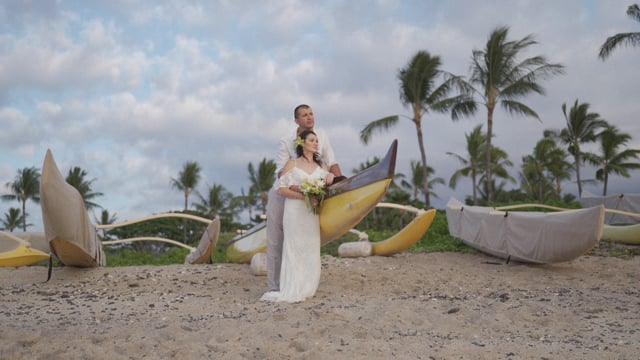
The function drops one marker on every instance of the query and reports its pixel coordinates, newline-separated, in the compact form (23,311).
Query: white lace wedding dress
(300,270)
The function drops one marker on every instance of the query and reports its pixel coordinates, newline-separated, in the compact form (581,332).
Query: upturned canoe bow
(71,235)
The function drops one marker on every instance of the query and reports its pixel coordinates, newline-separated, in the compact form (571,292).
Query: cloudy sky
(130,90)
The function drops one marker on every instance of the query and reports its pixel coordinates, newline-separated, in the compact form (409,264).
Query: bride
(300,269)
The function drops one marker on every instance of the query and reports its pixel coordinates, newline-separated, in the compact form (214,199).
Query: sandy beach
(409,306)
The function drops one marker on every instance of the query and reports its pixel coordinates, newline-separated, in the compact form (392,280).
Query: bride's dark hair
(303,135)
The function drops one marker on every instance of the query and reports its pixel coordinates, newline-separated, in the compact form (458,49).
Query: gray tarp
(623,202)
(526,236)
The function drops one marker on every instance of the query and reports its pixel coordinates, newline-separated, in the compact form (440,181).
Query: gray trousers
(275,238)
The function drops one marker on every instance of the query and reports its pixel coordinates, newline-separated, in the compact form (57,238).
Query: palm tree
(627,39)
(417,179)
(365,165)
(503,79)
(187,180)
(419,91)
(558,168)
(26,186)
(106,219)
(474,165)
(13,219)
(476,146)
(581,128)
(612,160)
(216,201)
(76,178)
(244,201)
(537,165)
(262,180)
(533,183)
(397,177)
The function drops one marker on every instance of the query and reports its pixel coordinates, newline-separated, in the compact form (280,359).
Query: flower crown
(298,142)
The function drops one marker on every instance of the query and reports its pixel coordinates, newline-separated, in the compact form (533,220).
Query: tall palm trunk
(184,221)
(558,187)
(578,161)
(186,200)
(24,215)
(423,155)
(606,180)
(474,175)
(490,108)
(540,172)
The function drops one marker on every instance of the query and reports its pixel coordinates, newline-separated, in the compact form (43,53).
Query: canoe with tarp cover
(626,206)
(535,237)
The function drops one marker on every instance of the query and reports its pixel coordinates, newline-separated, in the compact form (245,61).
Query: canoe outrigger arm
(152,238)
(149,238)
(158,216)
(501,209)
(543,206)
(196,255)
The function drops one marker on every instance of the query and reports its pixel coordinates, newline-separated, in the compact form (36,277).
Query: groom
(303,117)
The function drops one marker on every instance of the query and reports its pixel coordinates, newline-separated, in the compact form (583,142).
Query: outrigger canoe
(36,239)
(15,251)
(345,205)
(399,242)
(622,216)
(408,235)
(625,234)
(534,237)
(72,237)
(256,238)
(621,209)
(198,255)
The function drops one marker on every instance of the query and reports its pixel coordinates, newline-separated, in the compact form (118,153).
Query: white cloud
(130,92)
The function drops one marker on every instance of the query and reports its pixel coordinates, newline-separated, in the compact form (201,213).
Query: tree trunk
(475,185)
(427,202)
(24,215)
(577,157)
(488,154)
(540,183)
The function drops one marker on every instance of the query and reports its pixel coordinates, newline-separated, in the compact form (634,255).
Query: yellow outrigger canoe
(625,234)
(409,234)
(345,205)
(15,251)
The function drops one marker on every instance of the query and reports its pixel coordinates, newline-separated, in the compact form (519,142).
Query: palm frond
(377,125)
(516,107)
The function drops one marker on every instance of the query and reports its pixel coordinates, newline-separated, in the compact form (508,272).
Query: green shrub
(125,256)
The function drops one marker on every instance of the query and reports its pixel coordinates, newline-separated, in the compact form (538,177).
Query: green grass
(129,257)
(436,239)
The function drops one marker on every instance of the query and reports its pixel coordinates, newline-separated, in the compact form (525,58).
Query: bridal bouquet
(313,188)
